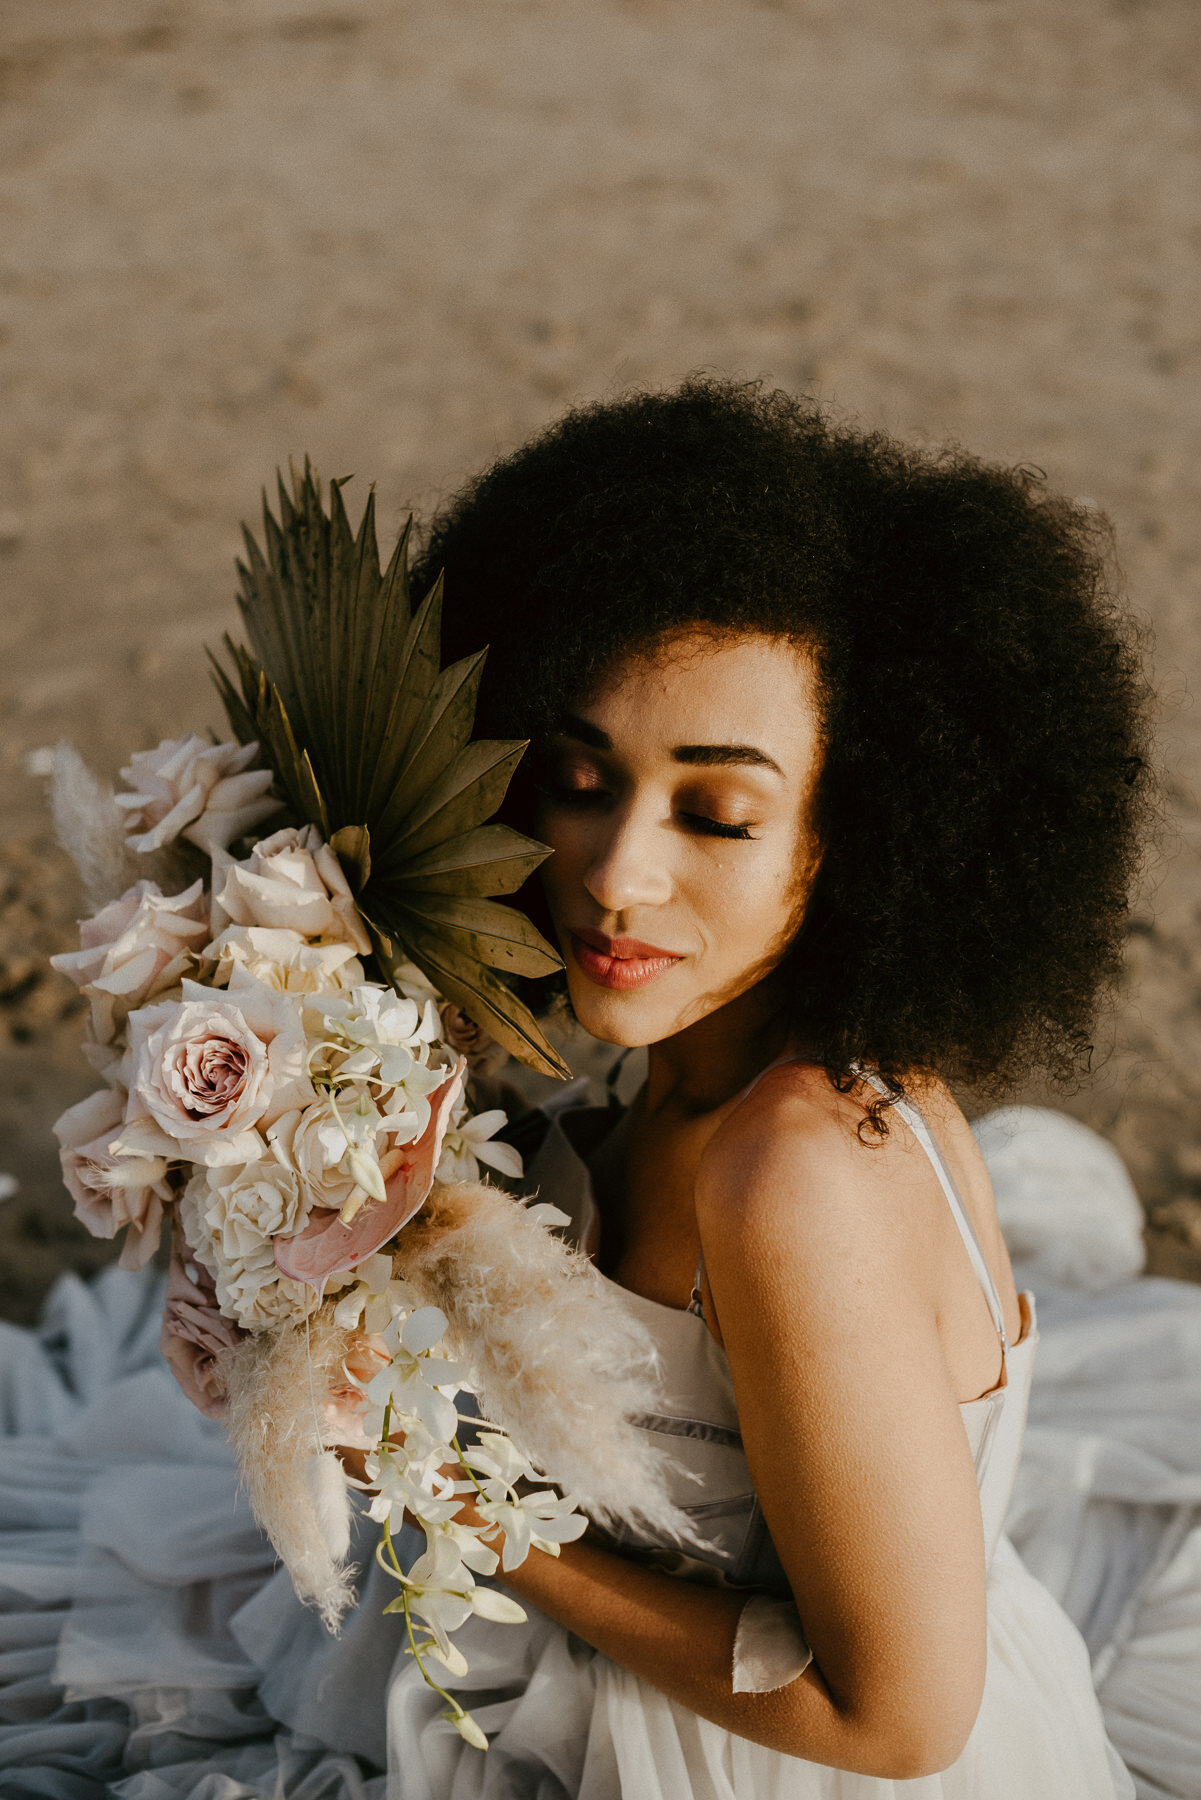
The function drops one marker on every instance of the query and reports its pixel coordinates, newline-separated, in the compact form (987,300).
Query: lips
(618,963)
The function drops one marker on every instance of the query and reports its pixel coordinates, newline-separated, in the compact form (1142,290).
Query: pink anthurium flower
(328,1247)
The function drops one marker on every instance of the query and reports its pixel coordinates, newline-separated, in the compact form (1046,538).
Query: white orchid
(470,1143)
(479,1557)
(542,1520)
(405,1485)
(376,1032)
(496,1457)
(417,1384)
(377,1298)
(442,1592)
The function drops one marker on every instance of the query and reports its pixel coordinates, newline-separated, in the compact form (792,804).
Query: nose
(628,865)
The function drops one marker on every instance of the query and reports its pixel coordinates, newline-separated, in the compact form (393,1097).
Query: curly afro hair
(986,779)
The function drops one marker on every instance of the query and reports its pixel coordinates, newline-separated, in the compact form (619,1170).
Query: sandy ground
(398,236)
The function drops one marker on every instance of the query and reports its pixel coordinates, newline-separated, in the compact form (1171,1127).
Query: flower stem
(389,1549)
(466,1466)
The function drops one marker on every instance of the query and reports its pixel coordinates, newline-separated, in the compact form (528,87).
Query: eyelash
(569,796)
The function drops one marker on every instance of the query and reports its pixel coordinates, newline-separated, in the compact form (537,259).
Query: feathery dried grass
(555,1355)
(89,826)
(276,1382)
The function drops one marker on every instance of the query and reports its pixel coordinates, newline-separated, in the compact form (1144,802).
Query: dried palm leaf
(370,740)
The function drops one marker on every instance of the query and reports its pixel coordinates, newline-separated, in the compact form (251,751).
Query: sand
(399,237)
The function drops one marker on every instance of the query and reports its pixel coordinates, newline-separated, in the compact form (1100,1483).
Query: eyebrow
(712,756)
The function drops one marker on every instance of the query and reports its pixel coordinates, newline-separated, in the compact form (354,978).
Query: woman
(840,751)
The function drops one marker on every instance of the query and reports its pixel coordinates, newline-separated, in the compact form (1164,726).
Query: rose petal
(194,1331)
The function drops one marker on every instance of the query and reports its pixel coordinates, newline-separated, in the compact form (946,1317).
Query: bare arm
(679,1637)
(858,1456)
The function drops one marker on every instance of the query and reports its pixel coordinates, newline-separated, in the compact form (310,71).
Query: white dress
(149,1651)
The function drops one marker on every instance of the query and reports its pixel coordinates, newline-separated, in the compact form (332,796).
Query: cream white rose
(245,1207)
(111,1192)
(187,787)
(134,948)
(313,1146)
(208,1070)
(249,1288)
(283,960)
(291,880)
(258,1296)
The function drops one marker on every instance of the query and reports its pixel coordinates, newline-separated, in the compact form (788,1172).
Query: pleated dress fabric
(149,1648)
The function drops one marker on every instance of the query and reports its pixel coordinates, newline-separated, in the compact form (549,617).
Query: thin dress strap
(917,1124)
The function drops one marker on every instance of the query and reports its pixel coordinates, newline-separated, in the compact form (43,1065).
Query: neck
(707,1064)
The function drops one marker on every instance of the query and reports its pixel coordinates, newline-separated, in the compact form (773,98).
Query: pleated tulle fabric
(149,1648)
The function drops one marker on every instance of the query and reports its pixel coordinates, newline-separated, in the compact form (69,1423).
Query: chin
(630,1021)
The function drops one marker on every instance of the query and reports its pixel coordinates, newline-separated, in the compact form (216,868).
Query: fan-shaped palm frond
(370,740)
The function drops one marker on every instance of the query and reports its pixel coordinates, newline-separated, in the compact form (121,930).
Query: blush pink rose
(194,1331)
(187,787)
(208,1069)
(111,1192)
(201,1070)
(134,948)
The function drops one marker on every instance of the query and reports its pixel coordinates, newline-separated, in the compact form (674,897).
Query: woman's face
(678,802)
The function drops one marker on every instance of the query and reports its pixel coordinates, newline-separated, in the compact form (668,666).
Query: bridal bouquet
(294,950)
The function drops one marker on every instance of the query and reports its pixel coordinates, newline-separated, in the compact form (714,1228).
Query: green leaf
(241,719)
(465,794)
(385,633)
(499,936)
(441,730)
(412,683)
(488,859)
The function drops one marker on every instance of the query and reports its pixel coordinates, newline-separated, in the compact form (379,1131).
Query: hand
(194,1329)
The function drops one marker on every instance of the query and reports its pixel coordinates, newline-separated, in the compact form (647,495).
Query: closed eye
(715,827)
(563,794)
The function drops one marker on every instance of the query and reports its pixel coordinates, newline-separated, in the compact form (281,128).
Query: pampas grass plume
(556,1356)
(89,826)
(296,1488)
(330,1495)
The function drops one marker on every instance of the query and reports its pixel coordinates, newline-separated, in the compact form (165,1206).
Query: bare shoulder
(798,1136)
(791,1189)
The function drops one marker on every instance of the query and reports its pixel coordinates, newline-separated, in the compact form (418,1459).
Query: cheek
(752,901)
(746,896)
